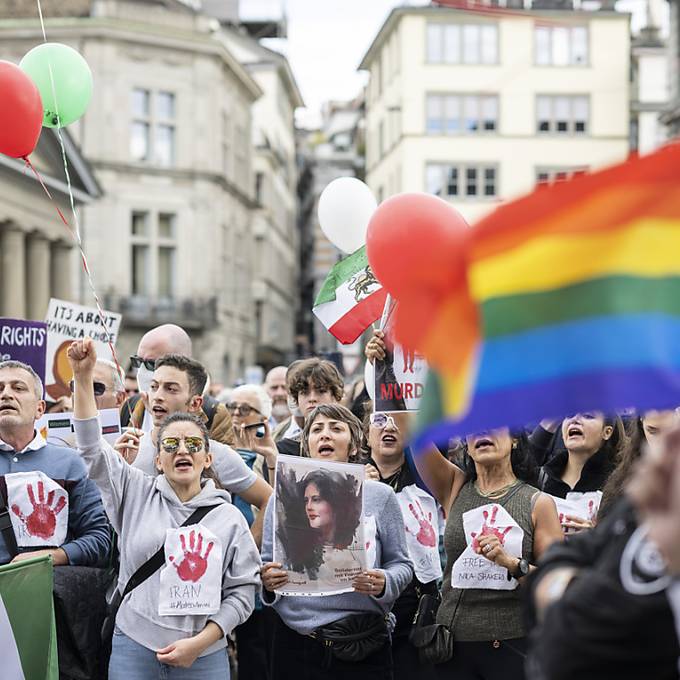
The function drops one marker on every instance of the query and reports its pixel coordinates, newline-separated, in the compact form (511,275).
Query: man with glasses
(109,390)
(158,342)
(176,386)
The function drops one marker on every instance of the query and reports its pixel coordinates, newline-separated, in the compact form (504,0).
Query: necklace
(497,493)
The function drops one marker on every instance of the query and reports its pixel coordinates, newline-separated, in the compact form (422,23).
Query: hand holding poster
(66,322)
(24,341)
(318,520)
(400,377)
(57,428)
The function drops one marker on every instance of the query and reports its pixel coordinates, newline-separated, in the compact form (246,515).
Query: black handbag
(354,637)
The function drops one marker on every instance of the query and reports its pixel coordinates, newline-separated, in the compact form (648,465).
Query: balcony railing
(145,312)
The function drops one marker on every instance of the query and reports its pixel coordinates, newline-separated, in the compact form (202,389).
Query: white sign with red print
(472,570)
(584,505)
(38,509)
(191,580)
(421,524)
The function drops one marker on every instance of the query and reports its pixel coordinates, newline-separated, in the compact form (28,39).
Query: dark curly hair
(319,373)
(303,544)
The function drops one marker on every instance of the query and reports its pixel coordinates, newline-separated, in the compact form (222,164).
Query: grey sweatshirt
(140,509)
(305,614)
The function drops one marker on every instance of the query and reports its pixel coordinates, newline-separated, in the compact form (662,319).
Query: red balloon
(21,112)
(417,242)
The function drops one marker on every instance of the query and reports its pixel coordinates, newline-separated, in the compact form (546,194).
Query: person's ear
(40,409)
(195,403)
(208,460)
(120,399)
(607,432)
(159,467)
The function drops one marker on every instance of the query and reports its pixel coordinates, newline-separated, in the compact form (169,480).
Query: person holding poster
(310,638)
(497,528)
(205,584)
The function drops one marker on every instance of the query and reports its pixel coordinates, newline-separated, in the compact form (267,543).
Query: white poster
(39,509)
(421,524)
(472,570)
(57,428)
(584,505)
(191,580)
(319,525)
(66,322)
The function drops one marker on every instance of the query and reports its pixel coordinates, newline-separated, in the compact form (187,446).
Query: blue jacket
(88,539)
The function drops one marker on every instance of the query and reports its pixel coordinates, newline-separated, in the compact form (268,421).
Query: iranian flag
(28,642)
(351,298)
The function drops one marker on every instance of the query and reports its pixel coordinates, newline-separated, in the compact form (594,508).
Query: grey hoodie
(305,614)
(140,509)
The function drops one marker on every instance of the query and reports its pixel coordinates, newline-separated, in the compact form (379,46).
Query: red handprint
(591,510)
(426,534)
(42,522)
(489,529)
(193,564)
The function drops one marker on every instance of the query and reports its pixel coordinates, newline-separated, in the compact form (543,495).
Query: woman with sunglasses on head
(175,623)
(333,433)
(386,435)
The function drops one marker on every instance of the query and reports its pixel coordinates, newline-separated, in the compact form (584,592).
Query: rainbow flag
(577,288)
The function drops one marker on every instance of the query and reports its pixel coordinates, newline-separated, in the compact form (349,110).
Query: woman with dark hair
(497,528)
(304,645)
(176,622)
(593,443)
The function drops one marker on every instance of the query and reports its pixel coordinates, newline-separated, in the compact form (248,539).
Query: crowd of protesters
(532,591)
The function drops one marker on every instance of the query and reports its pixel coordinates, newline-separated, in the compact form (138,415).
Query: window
(462,43)
(561,45)
(562,114)
(152,132)
(450,114)
(551,175)
(154,246)
(461,180)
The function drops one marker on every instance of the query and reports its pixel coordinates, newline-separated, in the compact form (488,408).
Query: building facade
(671,117)
(477,106)
(168,134)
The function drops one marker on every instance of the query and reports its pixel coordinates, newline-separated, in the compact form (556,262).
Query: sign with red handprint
(584,505)
(191,580)
(472,569)
(421,524)
(38,509)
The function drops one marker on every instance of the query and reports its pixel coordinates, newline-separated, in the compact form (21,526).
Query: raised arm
(443,479)
(82,356)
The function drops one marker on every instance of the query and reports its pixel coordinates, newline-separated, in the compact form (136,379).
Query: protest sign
(400,377)
(57,428)
(25,341)
(584,505)
(319,525)
(66,322)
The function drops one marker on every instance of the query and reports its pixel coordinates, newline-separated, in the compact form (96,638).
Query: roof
(22,9)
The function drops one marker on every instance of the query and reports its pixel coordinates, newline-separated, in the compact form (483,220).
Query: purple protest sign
(24,341)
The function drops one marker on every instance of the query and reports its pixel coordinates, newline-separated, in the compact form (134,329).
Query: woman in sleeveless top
(497,528)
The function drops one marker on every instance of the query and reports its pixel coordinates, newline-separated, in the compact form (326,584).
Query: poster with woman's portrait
(318,525)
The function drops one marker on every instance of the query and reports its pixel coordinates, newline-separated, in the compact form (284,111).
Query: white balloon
(369,379)
(345,209)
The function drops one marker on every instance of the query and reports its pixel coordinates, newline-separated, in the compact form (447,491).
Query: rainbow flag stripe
(578,292)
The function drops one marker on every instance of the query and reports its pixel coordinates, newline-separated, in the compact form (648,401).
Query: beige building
(479,106)
(275,283)
(168,134)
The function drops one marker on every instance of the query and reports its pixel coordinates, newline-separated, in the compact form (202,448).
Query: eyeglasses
(137,361)
(99,388)
(242,409)
(192,444)
(382,420)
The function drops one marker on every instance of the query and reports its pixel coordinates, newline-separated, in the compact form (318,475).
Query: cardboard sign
(57,428)
(319,525)
(191,580)
(66,322)
(39,509)
(472,570)
(25,341)
(400,377)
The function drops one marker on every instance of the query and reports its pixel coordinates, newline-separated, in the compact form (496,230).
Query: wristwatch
(521,570)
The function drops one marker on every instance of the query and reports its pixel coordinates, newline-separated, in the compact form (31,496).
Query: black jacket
(594,475)
(599,629)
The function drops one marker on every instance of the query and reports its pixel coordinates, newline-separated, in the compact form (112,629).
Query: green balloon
(72,80)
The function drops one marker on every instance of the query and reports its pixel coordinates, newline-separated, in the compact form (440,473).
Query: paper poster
(24,341)
(39,509)
(421,524)
(400,377)
(578,504)
(57,428)
(319,525)
(472,570)
(66,322)
(191,580)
